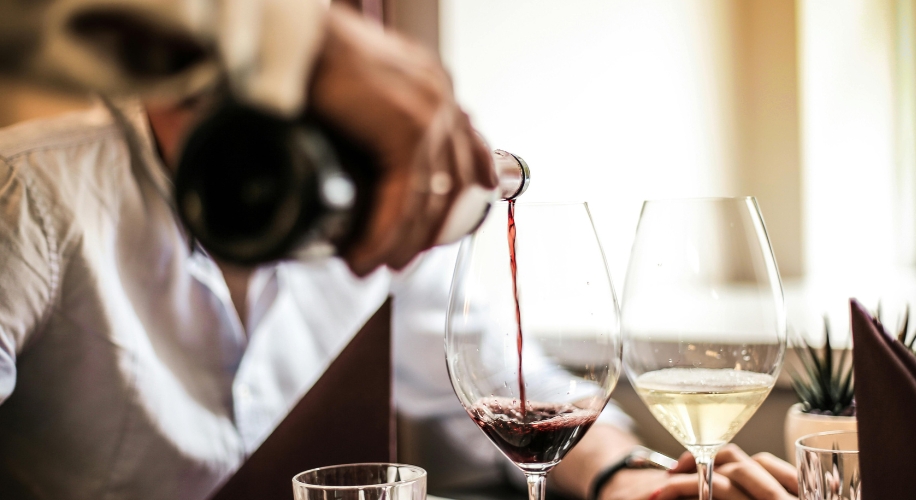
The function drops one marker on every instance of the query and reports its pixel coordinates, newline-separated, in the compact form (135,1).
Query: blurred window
(806,104)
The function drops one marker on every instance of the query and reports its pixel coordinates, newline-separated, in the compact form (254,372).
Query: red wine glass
(532,337)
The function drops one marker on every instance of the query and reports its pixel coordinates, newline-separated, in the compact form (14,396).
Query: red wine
(513,266)
(542,435)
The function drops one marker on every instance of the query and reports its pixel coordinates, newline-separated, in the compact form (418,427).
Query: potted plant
(826,391)
(901,334)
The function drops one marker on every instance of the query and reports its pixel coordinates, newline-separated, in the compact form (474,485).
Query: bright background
(807,105)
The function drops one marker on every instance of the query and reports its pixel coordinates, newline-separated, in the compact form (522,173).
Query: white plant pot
(800,424)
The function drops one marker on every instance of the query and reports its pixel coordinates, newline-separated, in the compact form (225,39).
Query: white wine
(702,407)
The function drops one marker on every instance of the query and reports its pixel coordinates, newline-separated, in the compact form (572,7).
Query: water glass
(828,466)
(361,482)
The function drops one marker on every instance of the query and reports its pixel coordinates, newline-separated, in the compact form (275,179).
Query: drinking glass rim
(701,198)
(298,481)
(520,203)
(800,446)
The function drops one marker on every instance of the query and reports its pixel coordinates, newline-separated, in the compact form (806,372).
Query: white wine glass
(703,320)
(509,365)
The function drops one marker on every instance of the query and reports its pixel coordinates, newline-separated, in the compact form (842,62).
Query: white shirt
(125,371)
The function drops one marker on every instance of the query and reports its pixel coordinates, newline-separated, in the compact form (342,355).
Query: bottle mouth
(526,176)
(513,174)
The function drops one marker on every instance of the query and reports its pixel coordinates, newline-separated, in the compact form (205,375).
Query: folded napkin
(346,417)
(885,381)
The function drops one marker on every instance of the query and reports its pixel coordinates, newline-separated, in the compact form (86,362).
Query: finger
(731,453)
(414,227)
(388,220)
(456,157)
(685,463)
(482,167)
(412,208)
(686,485)
(449,162)
(753,479)
(484,156)
(779,469)
(413,232)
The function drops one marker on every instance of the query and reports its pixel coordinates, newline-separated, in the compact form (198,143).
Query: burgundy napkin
(346,417)
(885,380)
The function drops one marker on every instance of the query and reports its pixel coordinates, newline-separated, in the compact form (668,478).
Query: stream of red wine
(513,266)
(529,432)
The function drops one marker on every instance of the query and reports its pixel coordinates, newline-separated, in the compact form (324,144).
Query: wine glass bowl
(509,365)
(703,319)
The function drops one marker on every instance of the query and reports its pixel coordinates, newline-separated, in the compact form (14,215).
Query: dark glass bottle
(253,188)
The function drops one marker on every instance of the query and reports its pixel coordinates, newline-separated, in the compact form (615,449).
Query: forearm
(603,445)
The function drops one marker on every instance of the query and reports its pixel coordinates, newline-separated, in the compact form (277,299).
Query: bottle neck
(513,174)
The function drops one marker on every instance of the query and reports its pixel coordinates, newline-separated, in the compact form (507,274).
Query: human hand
(736,476)
(394,98)
(739,476)
(762,476)
(652,484)
(638,484)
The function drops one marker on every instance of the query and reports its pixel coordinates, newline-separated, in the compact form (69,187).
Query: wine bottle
(252,188)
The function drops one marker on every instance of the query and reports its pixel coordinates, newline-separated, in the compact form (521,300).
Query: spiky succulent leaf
(824,384)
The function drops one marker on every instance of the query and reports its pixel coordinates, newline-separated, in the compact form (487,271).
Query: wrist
(639,458)
(620,483)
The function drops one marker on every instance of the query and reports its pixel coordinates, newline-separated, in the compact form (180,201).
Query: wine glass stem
(704,471)
(537,485)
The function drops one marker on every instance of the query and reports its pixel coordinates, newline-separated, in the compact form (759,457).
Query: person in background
(133,365)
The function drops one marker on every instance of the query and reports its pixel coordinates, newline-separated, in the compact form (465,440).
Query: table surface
(492,493)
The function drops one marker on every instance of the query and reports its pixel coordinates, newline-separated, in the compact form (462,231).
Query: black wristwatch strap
(604,476)
(639,458)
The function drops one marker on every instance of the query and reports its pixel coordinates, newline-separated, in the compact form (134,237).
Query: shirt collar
(145,159)
(147,163)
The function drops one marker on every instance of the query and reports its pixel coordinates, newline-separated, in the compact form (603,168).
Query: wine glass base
(495,492)
(537,468)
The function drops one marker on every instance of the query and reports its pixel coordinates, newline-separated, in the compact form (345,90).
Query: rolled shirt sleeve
(28,269)
(270,48)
